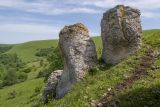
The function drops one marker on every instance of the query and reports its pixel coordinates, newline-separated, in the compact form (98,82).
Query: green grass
(24,92)
(145,91)
(26,51)
(92,87)
(98,42)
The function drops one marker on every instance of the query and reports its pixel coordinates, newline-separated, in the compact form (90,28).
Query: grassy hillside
(144,91)
(4,48)
(24,94)
(26,51)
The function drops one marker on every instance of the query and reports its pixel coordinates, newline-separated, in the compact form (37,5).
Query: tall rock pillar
(121,33)
(79,55)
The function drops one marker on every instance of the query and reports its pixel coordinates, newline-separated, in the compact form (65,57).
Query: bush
(22,76)
(2,71)
(41,62)
(10,65)
(10,78)
(37,90)
(12,94)
(44,52)
(27,70)
(4,49)
(11,61)
(94,70)
(43,73)
(55,63)
(1,84)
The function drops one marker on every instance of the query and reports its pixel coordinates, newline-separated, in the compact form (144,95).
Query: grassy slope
(4,45)
(26,51)
(145,91)
(24,91)
(92,87)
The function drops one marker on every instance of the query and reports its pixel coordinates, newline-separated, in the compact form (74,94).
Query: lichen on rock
(76,28)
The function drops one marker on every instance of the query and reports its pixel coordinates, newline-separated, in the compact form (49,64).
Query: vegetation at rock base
(144,92)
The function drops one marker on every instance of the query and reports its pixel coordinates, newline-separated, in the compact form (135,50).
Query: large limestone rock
(51,84)
(121,33)
(79,53)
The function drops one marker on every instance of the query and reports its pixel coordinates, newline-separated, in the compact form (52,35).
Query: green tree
(55,62)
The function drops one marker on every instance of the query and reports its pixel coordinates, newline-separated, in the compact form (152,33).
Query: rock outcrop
(79,55)
(51,84)
(121,33)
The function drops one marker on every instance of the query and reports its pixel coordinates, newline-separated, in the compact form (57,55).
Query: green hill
(100,81)
(26,51)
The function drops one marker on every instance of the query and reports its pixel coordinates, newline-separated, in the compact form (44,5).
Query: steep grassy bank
(93,87)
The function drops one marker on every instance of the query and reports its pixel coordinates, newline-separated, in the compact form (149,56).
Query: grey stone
(79,54)
(51,84)
(121,33)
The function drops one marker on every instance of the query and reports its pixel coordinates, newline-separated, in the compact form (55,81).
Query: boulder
(79,55)
(121,33)
(51,84)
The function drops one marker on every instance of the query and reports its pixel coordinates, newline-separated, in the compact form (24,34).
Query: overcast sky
(26,20)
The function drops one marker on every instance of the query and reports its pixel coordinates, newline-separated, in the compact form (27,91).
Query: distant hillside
(26,51)
(4,48)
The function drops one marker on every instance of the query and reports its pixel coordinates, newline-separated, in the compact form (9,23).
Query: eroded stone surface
(121,33)
(79,54)
(51,84)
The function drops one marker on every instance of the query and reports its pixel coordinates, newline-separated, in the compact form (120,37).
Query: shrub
(37,90)
(4,49)
(22,76)
(94,70)
(55,63)
(1,84)
(10,78)
(43,73)
(44,52)
(27,70)
(41,62)
(10,64)
(12,94)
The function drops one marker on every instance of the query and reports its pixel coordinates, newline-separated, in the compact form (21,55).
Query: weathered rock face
(51,84)
(79,53)
(121,33)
